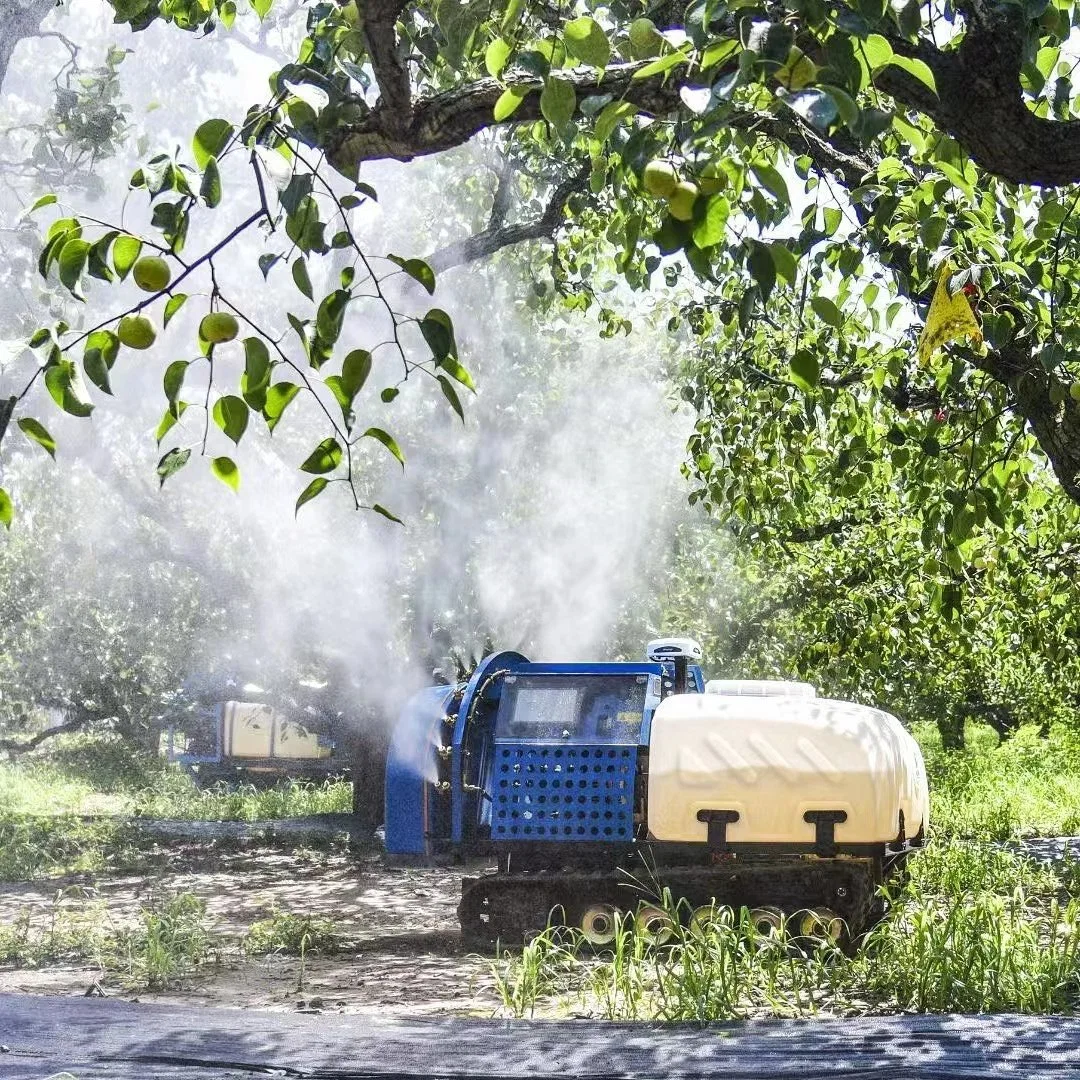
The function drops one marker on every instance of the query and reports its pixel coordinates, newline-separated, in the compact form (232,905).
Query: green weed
(73,927)
(175,939)
(1027,786)
(50,846)
(287,932)
(101,775)
(175,795)
(975,929)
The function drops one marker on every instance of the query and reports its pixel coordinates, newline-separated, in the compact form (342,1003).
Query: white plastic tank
(759,688)
(774,756)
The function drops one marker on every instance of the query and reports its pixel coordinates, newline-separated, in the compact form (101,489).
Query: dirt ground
(404,956)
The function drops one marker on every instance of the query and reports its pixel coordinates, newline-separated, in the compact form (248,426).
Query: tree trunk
(951,728)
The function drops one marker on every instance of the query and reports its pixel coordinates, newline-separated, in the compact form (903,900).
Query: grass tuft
(287,932)
(975,929)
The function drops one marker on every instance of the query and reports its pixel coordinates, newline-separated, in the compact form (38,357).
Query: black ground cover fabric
(98,1039)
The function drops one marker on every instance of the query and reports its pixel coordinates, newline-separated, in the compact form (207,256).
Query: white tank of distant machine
(773,751)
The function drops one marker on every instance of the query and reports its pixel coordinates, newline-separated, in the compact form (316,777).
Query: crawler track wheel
(654,924)
(599,925)
(709,917)
(768,922)
(822,925)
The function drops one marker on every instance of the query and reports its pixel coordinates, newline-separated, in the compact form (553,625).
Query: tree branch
(7,408)
(499,235)
(443,121)
(979,101)
(24,746)
(391,74)
(19,19)
(504,192)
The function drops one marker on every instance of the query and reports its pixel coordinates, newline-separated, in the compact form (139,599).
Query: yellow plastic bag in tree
(949,319)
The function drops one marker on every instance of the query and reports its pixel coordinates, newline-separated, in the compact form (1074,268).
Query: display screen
(584,708)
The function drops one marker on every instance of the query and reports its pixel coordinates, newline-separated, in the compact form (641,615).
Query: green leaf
(174,379)
(36,432)
(387,440)
(316,487)
(908,15)
(172,463)
(257,371)
(438,330)
(451,395)
(331,315)
(609,117)
(102,349)
(210,188)
(63,225)
(44,200)
(306,228)
(717,51)
(762,268)
(168,419)
(814,105)
(73,256)
(278,398)
(7,511)
(805,371)
(827,311)
(341,396)
(587,41)
(918,69)
(452,368)
(878,51)
(787,264)
(845,104)
(711,227)
(354,371)
(262,7)
(663,64)
(418,270)
(496,56)
(125,254)
(267,263)
(225,469)
(65,387)
(557,102)
(97,370)
(210,139)
(231,415)
(97,264)
(508,102)
(386,514)
(300,277)
(324,458)
(773,182)
(172,306)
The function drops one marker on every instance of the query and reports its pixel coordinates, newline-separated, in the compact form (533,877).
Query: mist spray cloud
(537,525)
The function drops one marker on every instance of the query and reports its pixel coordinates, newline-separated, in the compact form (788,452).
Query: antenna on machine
(680,650)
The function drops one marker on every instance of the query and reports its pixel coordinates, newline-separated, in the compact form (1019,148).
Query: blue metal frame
(412,799)
(476,687)
(575,789)
(411,765)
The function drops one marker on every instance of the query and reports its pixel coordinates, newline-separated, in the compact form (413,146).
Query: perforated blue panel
(563,793)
